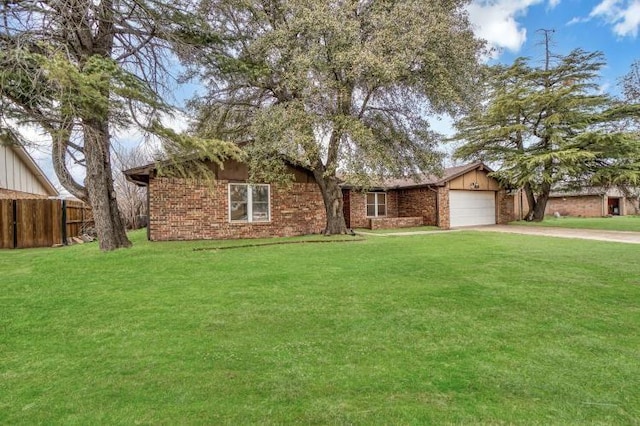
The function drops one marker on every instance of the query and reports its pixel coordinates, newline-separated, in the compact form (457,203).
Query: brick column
(443,207)
(505,206)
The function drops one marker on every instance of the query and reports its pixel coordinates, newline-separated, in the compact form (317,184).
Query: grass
(394,230)
(614,223)
(463,327)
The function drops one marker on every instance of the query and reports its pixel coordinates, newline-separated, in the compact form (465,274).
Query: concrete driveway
(584,234)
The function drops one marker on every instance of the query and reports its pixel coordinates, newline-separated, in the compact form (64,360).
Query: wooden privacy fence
(42,223)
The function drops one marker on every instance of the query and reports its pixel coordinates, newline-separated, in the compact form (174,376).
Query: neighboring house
(20,176)
(462,196)
(587,202)
(186,209)
(32,213)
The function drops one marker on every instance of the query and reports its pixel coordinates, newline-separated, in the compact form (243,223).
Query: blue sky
(511,28)
(609,26)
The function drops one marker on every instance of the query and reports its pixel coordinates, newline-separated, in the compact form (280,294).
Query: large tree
(549,125)
(631,82)
(79,70)
(336,87)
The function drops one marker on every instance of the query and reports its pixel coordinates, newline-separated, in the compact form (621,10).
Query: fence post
(14,223)
(64,222)
(14,213)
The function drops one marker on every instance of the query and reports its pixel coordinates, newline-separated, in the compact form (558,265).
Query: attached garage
(469,208)
(462,196)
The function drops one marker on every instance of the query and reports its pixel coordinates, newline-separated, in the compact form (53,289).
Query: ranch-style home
(462,196)
(186,209)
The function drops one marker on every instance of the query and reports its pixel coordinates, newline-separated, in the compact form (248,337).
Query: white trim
(376,204)
(249,202)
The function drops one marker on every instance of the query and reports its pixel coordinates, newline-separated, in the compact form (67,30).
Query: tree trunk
(540,207)
(332,196)
(531,202)
(60,141)
(99,185)
(536,214)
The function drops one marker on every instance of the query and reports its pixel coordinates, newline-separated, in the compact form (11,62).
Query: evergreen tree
(631,83)
(78,70)
(549,125)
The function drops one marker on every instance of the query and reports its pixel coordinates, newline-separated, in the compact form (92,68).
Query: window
(376,204)
(249,203)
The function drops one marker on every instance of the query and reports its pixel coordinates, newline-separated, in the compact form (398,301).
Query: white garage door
(468,208)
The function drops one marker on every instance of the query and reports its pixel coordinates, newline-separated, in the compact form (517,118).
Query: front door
(346,207)
(614,206)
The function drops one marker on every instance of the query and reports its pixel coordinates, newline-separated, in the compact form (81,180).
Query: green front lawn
(615,223)
(463,327)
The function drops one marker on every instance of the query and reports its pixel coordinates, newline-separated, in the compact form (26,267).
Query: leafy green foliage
(335,86)
(550,126)
(183,154)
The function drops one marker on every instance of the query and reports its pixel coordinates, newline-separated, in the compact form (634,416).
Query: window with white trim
(376,204)
(249,203)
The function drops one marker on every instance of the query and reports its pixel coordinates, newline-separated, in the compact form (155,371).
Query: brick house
(187,209)
(586,202)
(462,196)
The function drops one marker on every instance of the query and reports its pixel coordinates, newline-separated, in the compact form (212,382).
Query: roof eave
(477,165)
(139,175)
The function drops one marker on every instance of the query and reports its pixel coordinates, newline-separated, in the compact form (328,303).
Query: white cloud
(577,20)
(496,21)
(630,21)
(605,7)
(553,3)
(623,15)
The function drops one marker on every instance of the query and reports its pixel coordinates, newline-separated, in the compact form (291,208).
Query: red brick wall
(586,206)
(392,204)
(395,222)
(183,209)
(357,208)
(405,203)
(418,202)
(631,206)
(444,220)
(421,202)
(505,206)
